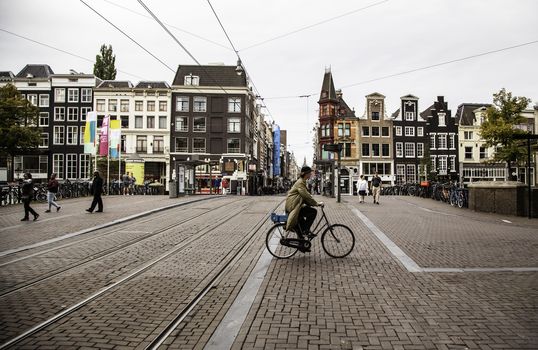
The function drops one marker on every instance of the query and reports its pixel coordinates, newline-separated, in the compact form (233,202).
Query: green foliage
(18,123)
(499,127)
(105,64)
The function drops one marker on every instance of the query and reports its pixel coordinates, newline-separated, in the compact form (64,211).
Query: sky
(358,40)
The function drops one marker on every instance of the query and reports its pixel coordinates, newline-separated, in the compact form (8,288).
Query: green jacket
(297,196)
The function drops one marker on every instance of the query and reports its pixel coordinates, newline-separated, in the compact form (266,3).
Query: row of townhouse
(203,129)
(409,145)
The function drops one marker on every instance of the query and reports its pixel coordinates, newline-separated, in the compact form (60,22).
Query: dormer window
(192,80)
(442,119)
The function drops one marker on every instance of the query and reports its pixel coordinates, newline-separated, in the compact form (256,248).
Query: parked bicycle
(337,240)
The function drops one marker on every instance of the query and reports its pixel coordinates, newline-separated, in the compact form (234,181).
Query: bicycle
(337,240)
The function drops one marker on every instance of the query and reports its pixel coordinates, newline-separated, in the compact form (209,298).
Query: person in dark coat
(27,195)
(52,190)
(96,190)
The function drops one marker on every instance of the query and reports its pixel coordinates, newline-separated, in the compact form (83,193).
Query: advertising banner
(90,133)
(115,138)
(276,151)
(103,140)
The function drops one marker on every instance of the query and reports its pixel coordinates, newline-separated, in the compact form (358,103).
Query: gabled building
(375,140)
(409,130)
(442,131)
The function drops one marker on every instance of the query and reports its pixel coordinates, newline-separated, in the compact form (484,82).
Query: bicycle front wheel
(272,241)
(338,240)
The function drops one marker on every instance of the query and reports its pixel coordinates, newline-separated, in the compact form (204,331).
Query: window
(86,95)
(409,116)
(468,153)
(234,105)
(411,173)
(72,114)
(139,122)
(385,150)
(198,145)
(400,173)
(234,124)
(158,144)
(347,130)
(452,141)
(124,121)
(365,149)
(71,165)
(328,130)
(322,131)
(420,150)
(112,105)
(409,150)
(375,115)
(199,124)
(432,141)
(442,141)
(483,152)
(467,135)
(44,140)
(420,131)
(375,150)
(452,163)
(84,113)
(192,80)
(182,104)
(150,123)
(199,104)
(182,144)
(33,99)
(72,95)
(124,105)
(81,137)
(442,165)
(365,131)
(385,131)
(100,120)
(59,95)
(162,106)
(375,131)
(340,130)
(150,106)
(141,144)
(182,124)
(234,146)
(58,135)
(409,131)
(58,165)
(72,135)
(100,105)
(442,119)
(43,100)
(162,122)
(84,166)
(43,118)
(139,106)
(399,150)
(432,163)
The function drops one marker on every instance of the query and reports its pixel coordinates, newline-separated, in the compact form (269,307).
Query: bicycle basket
(276,218)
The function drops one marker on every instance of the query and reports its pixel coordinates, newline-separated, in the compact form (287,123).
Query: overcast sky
(390,37)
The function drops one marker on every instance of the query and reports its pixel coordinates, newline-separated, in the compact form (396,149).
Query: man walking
(376,187)
(96,190)
(27,195)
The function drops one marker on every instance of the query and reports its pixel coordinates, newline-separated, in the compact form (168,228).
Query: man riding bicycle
(299,203)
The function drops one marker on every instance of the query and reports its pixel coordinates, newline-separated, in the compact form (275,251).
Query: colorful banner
(276,151)
(90,133)
(115,138)
(103,140)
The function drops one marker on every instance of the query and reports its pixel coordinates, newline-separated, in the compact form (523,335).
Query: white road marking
(507,221)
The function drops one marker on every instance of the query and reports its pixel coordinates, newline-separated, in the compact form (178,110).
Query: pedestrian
(27,195)
(376,187)
(52,189)
(132,182)
(299,203)
(96,191)
(125,179)
(362,188)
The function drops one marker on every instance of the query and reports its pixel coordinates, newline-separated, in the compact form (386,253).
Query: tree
(105,64)
(499,127)
(18,123)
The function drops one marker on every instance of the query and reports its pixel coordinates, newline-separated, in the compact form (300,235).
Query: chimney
(339,93)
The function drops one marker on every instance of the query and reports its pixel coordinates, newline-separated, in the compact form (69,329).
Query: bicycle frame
(318,229)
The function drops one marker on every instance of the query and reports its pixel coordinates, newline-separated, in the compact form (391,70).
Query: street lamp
(239,69)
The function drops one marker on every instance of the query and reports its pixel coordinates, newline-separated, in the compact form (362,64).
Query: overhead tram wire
(127,35)
(64,51)
(417,69)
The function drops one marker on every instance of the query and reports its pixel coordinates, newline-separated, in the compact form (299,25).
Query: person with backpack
(376,187)
(27,195)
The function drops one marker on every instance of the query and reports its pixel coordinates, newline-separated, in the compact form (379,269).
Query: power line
(63,51)
(312,25)
(127,35)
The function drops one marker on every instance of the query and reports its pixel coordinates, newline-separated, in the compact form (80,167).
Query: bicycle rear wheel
(338,240)
(272,241)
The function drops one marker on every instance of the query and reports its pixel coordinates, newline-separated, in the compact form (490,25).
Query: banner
(90,133)
(103,140)
(137,169)
(276,151)
(115,138)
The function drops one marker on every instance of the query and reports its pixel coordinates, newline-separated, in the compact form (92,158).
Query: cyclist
(299,203)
